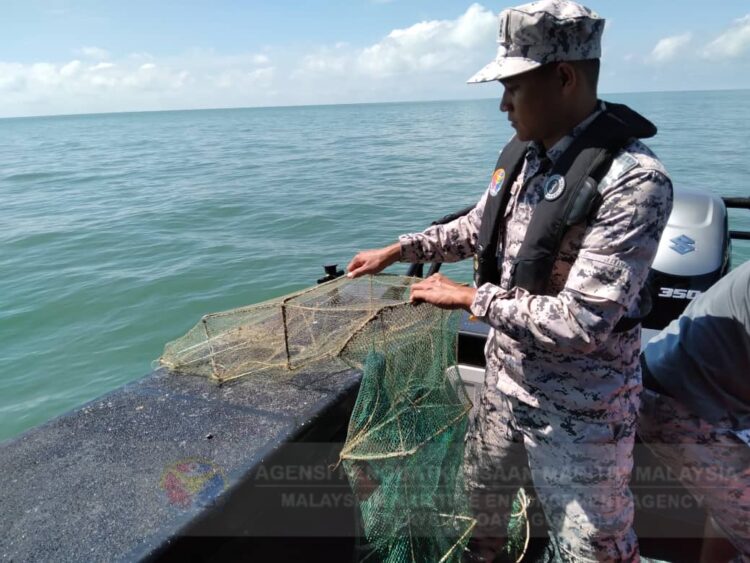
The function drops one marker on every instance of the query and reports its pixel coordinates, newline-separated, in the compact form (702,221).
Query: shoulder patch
(645,156)
(623,164)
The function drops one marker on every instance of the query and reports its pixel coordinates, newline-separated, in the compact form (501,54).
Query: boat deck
(127,475)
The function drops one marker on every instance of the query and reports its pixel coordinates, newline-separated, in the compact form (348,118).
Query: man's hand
(373,261)
(443,292)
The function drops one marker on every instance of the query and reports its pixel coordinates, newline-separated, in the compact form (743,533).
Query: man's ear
(567,75)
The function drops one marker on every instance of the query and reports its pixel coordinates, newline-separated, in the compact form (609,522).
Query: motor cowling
(694,253)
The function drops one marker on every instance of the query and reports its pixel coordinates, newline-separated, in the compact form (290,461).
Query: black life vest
(573,197)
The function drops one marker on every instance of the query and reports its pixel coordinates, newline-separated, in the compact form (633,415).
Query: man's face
(532,101)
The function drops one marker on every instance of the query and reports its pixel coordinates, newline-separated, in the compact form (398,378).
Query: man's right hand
(373,261)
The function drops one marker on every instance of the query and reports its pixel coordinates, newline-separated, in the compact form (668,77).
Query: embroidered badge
(497,181)
(554,187)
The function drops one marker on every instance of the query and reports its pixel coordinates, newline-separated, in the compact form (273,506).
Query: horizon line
(313,105)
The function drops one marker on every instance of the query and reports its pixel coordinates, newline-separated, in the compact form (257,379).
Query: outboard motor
(694,253)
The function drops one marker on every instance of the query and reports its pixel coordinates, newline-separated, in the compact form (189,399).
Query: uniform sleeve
(604,281)
(451,242)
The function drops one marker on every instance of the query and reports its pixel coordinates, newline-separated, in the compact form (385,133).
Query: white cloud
(138,81)
(324,63)
(669,48)
(12,77)
(428,60)
(93,53)
(101,66)
(731,44)
(459,46)
(441,45)
(245,80)
(71,68)
(44,74)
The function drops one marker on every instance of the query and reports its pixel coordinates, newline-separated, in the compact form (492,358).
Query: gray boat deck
(88,486)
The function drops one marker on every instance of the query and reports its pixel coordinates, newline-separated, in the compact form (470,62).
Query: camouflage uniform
(561,390)
(711,460)
(559,384)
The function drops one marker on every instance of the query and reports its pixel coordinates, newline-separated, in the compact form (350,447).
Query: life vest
(571,197)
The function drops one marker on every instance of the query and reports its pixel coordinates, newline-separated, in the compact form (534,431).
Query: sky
(91,56)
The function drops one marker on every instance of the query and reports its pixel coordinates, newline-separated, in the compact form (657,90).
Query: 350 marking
(674,293)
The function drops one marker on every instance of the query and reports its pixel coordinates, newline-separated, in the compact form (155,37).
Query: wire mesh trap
(404,449)
(284,334)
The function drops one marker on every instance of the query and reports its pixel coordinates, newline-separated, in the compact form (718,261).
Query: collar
(536,150)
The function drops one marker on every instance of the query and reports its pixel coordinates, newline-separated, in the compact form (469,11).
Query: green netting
(405,444)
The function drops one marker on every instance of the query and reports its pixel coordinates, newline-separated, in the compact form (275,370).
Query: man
(695,407)
(563,238)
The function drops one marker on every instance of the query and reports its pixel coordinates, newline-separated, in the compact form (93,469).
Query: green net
(404,449)
(405,445)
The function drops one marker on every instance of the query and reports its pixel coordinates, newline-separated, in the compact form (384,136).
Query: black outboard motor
(694,253)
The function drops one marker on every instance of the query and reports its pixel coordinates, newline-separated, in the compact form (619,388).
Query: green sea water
(119,231)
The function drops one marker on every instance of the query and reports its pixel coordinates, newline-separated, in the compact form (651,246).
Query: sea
(119,231)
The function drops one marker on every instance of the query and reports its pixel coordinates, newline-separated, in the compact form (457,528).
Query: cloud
(325,62)
(731,44)
(669,48)
(71,68)
(245,80)
(101,66)
(430,45)
(93,53)
(135,82)
(11,79)
(428,60)
(457,46)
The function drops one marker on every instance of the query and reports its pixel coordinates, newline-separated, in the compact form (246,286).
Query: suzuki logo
(682,244)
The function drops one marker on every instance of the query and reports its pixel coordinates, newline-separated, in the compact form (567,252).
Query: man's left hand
(443,292)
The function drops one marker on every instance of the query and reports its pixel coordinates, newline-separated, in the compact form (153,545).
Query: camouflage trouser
(580,471)
(710,461)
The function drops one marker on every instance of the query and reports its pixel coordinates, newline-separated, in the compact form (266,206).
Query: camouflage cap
(543,32)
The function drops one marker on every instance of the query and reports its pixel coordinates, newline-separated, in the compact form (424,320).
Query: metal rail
(417,270)
(738,203)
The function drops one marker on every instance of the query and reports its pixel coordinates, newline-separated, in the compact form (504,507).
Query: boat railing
(417,270)
(738,203)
